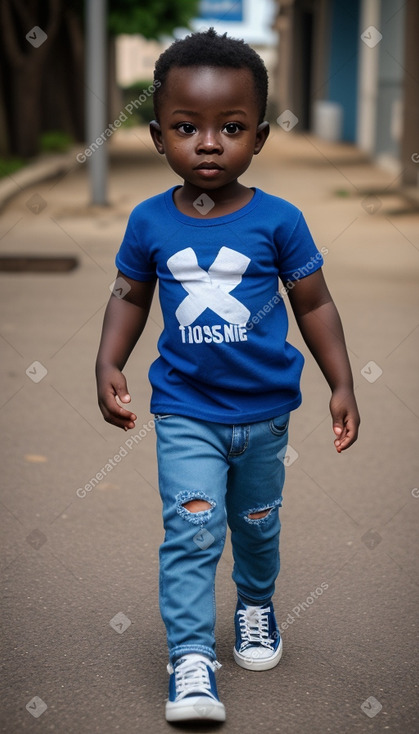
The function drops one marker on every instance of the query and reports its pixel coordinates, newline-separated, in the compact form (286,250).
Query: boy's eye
(232,127)
(187,128)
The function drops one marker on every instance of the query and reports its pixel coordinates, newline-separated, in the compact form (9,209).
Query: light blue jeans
(238,470)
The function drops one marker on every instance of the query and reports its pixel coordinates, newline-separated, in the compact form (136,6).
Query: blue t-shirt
(223,350)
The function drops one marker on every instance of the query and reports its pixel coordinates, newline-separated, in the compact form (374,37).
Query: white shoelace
(192,676)
(254,627)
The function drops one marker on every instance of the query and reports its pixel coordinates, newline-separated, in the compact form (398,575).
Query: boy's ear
(155,132)
(261,136)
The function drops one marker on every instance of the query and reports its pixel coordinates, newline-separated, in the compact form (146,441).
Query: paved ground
(70,565)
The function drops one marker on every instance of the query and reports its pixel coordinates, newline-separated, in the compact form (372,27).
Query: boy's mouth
(208,166)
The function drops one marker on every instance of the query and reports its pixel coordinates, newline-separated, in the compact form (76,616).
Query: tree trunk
(4,133)
(27,113)
(25,64)
(64,81)
(76,73)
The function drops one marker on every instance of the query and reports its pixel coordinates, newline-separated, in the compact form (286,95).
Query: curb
(51,165)
(41,169)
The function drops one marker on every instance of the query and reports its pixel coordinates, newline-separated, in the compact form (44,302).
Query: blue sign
(224,10)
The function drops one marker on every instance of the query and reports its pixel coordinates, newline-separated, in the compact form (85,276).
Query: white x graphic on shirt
(210,289)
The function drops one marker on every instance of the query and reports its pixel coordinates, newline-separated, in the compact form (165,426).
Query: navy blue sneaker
(258,640)
(193,691)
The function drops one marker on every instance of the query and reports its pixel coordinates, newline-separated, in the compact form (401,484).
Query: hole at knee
(197,505)
(259,515)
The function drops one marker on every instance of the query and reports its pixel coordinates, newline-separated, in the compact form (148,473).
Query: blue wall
(343,65)
(226,10)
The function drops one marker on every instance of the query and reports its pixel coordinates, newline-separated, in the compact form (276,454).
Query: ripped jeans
(238,471)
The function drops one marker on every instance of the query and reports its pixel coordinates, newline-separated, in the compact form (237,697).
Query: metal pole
(410,142)
(96,107)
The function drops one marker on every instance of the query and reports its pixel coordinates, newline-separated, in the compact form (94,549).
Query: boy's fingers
(122,409)
(121,397)
(121,389)
(339,431)
(347,436)
(113,411)
(122,412)
(113,398)
(345,417)
(125,421)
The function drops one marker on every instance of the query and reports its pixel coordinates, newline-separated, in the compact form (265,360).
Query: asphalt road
(83,644)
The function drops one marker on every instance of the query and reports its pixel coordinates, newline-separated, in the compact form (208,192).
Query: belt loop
(239,439)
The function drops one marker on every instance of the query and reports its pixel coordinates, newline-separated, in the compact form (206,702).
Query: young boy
(226,379)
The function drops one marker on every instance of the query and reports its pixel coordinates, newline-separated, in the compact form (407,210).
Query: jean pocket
(279,426)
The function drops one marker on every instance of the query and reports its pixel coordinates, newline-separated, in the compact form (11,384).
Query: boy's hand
(345,417)
(112,388)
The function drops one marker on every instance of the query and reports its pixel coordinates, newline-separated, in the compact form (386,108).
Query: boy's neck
(226,200)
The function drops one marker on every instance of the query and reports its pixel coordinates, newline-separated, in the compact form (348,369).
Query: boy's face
(208,124)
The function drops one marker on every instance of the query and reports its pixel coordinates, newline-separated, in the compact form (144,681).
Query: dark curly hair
(211,49)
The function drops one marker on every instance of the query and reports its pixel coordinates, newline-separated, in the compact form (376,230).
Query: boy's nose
(209,142)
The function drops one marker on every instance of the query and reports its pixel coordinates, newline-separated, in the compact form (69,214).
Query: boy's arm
(321,328)
(123,324)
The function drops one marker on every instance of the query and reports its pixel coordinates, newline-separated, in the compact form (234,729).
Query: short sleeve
(133,257)
(298,255)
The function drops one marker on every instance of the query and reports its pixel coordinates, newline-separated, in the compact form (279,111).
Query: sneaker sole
(195,708)
(255,663)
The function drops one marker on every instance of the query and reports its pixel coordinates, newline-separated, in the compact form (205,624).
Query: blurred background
(83,644)
(326,61)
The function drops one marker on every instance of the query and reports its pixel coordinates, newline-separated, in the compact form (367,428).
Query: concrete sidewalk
(84,648)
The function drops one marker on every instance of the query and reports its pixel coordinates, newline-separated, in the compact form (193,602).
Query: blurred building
(252,20)
(356,62)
